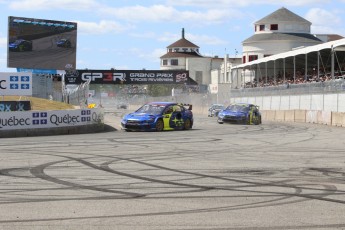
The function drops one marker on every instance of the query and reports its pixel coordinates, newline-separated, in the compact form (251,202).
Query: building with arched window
(184,55)
(278,32)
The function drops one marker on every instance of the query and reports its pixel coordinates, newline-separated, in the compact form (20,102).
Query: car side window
(168,110)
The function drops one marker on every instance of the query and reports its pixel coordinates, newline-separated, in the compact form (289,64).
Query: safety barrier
(305,116)
(51,122)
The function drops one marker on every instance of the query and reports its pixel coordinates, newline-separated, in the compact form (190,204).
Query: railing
(333,86)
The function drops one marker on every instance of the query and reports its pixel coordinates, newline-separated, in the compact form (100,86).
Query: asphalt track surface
(271,176)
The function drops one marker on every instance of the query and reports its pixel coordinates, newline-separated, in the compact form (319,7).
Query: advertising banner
(50,119)
(9,106)
(15,84)
(129,77)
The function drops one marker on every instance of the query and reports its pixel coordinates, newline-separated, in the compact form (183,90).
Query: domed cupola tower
(278,32)
(177,53)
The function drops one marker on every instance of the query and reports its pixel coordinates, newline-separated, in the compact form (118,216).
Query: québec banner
(129,77)
(50,119)
(15,84)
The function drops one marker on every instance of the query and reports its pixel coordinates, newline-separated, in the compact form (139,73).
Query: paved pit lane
(271,176)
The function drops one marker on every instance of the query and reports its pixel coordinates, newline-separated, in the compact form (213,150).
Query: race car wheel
(220,121)
(256,120)
(187,124)
(159,126)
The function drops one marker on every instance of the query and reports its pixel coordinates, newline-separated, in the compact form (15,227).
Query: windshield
(238,108)
(151,109)
(17,42)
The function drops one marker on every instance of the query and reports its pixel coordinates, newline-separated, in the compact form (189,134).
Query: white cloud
(155,13)
(151,56)
(144,35)
(198,40)
(321,19)
(34,5)
(242,3)
(102,27)
(161,13)
(206,40)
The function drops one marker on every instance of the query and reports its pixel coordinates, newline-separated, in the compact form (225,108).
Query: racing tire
(256,120)
(187,124)
(159,125)
(219,122)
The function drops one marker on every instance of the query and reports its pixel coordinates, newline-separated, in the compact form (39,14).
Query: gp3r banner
(129,77)
(12,84)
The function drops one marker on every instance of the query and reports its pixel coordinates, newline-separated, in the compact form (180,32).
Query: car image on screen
(35,43)
(20,45)
(65,43)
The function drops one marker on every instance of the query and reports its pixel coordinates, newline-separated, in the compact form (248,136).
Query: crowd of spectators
(299,78)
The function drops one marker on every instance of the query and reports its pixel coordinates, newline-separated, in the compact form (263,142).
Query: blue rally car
(159,116)
(65,43)
(240,113)
(20,45)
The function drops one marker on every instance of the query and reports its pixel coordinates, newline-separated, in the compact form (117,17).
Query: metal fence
(327,87)
(78,95)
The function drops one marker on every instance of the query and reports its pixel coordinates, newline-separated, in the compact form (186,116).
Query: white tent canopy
(302,57)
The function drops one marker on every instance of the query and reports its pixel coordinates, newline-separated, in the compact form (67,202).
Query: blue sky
(133,34)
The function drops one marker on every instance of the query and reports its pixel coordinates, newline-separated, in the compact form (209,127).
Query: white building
(278,32)
(185,55)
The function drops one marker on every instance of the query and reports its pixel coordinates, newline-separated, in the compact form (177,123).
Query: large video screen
(41,44)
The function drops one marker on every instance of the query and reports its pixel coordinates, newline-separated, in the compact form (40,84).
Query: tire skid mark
(38,172)
(256,184)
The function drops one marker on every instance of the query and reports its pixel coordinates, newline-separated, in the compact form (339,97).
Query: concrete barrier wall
(300,115)
(324,117)
(280,115)
(305,116)
(311,116)
(289,115)
(338,119)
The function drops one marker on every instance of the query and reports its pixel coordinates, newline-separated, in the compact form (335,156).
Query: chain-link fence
(77,95)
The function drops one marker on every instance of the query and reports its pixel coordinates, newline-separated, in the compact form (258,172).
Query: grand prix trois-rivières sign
(129,77)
